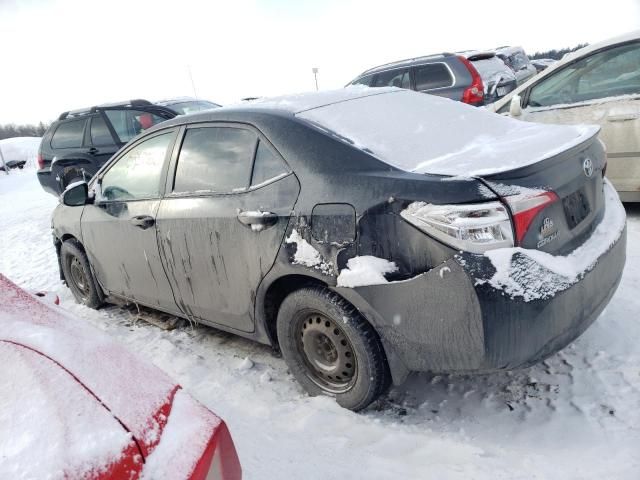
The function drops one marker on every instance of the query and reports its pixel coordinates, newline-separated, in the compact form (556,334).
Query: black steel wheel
(326,351)
(78,275)
(331,349)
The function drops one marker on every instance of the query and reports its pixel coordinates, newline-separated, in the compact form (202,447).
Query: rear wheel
(331,349)
(78,275)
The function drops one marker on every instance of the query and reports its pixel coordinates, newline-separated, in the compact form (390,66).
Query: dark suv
(81,141)
(447,75)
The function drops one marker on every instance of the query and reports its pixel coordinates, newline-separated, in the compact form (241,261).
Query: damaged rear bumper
(451,320)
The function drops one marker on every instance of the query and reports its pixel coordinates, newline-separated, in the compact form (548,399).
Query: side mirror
(515,110)
(76,194)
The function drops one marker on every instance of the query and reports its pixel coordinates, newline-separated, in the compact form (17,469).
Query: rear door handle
(93,151)
(623,117)
(257,219)
(143,221)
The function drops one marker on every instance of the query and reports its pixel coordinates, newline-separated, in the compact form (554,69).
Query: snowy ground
(577,415)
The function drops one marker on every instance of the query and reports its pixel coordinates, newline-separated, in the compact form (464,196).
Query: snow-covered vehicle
(598,84)
(498,79)
(366,232)
(518,61)
(75,404)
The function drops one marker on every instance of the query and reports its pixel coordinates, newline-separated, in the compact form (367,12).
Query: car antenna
(193,85)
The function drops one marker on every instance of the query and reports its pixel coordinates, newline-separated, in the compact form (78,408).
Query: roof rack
(407,61)
(83,111)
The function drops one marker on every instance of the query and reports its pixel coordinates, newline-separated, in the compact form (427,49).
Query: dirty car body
(359,173)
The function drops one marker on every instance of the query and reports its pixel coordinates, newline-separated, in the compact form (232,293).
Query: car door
(118,229)
(101,143)
(602,88)
(222,225)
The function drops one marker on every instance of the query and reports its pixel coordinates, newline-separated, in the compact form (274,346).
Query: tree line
(11,130)
(555,53)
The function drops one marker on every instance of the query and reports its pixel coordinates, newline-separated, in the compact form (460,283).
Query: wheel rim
(327,352)
(78,278)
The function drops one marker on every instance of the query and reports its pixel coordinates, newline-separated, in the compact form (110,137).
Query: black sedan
(366,233)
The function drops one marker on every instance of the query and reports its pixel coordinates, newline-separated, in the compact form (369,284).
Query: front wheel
(78,275)
(331,349)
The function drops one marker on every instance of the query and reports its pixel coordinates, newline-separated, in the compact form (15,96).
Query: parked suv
(81,141)
(445,75)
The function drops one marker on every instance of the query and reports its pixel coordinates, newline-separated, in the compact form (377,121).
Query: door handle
(93,151)
(143,221)
(257,220)
(623,117)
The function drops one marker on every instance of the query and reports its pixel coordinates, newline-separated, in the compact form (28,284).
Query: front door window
(136,175)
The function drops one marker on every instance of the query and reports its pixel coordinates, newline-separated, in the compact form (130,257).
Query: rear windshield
(493,70)
(428,134)
(184,108)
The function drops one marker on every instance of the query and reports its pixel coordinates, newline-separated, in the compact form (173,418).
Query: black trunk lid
(576,177)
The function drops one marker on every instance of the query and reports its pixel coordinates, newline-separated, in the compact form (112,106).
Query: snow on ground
(576,415)
(20,148)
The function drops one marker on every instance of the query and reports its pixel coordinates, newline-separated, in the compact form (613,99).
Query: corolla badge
(548,232)
(587,166)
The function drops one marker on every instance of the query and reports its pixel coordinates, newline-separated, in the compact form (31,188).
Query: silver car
(599,84)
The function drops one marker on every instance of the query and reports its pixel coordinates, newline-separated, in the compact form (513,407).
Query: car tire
(78,275)
(331,349)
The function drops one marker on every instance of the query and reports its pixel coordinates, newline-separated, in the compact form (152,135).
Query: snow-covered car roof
(428,134)
(40,342)
(510,50)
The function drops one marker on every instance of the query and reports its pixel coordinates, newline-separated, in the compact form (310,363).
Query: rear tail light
(40,161)
(525,208)
(474,94)
(474,228)
(220,460)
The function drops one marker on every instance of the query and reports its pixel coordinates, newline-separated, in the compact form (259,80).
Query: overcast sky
(58,55)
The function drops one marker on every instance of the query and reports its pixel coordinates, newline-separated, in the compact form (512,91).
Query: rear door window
(69,134)
(432,75)
(215,159)
(136,175)
(393,78)
(129,123)
(100,134)
(267,165)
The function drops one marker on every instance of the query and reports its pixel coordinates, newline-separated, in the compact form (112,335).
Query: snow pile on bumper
(537,275)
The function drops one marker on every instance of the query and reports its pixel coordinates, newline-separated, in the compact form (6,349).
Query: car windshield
(610,73)
(191,106)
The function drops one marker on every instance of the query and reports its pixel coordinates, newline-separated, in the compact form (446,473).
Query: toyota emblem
(587,166)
